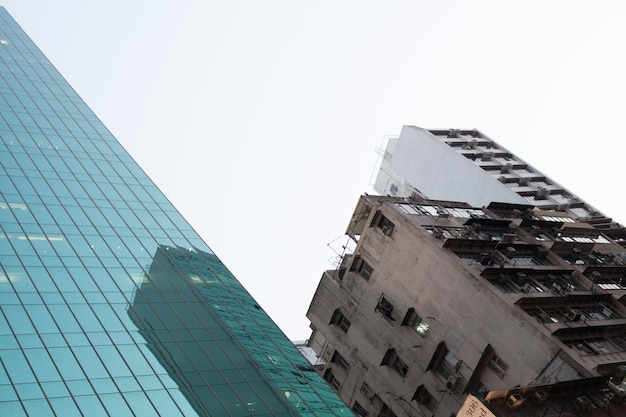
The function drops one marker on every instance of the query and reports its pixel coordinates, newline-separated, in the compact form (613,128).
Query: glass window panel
(21,245)
(54,389)
(165,404)
(27,341)
(107,317)
(139,403)
(12,408)
(82,279)
(18,319)
(65,407)
(87,319)
(41,361)
(104,280)
(42,320)
(28,391)
(90,362)
(38,408)
(17,367)
(66,363)
(91,406)
(115,405)
(114,362)
(41,279)
(64,318)
(7,393)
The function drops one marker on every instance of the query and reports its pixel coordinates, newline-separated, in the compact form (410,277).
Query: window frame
(358,409)
(340,320)
(360,266)
(383,223)
(332,379)
(394,361)
(497,365)
(340,361)
(415,322)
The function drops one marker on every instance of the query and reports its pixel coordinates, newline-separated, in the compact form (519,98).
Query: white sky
(260,119)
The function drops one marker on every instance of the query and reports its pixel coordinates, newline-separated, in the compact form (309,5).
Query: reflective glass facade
(110,303)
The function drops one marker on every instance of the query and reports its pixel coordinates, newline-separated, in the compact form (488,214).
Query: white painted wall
(424,162)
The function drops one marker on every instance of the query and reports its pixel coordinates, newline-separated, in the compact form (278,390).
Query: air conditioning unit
(486,259)
(486,156)
(520,278)
(541,193)
(453,382)
(619,388)
(387,230)
(421,398)
(540,397)
(438,233)
(454,133)
(514,401)
(506,167)
(574,315)
(509,238)
(582,403)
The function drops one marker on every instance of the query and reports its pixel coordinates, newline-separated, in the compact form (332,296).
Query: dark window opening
(386,308)
(414,321)
(424,397)
(392,360)
(332,381)
(385,411)
(358,409)
(363,268)
(383,223)
(340,321)
(340,361)
(440,353)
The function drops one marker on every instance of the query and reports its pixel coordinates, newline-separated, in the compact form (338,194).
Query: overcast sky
(260,120)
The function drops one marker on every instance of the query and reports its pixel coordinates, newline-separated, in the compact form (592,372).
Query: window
(392,360)
(363,268)
(415,322)
(484,258)
(330,378)
(528,260)
(593,346)
(340,320)
(558,219)
(340,361)
(383,223)
(367,391)
(424,397)
(328,349)
(386,308)
(449,365)
(385,411)
(498,366)
(358,409)
(444,362)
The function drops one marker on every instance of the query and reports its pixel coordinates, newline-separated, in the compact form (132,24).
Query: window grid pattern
(110,303)
(561,314)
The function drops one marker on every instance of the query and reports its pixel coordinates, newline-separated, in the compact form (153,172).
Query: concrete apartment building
(440,299)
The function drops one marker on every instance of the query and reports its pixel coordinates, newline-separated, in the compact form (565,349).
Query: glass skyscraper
(110,303)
